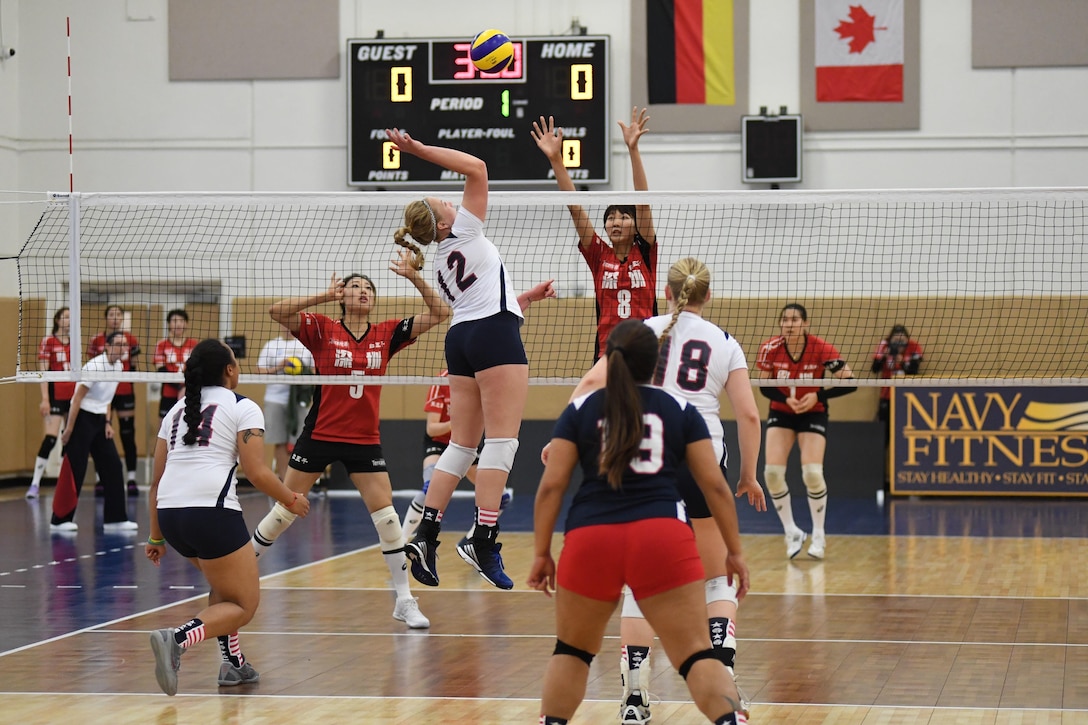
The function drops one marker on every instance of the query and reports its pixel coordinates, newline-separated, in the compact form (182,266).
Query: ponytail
(206,366)
(631,354)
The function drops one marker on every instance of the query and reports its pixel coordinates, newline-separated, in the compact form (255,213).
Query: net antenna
(993,283)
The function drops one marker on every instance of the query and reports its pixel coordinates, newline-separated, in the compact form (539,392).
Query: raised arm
(549,140)
(473,169)
(286,310)
(437,310)
(631,134)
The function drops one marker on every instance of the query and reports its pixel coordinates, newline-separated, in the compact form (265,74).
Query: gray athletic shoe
(167,659)
(229,675)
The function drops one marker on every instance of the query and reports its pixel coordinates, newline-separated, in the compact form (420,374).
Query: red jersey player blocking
(124,400)
(170,356)
(799,414)
(54,355)
(625,268)
(343,420)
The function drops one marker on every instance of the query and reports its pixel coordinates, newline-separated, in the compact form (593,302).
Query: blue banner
(990,441)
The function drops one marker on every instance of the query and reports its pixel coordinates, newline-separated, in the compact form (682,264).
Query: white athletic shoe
(794,541)
(121,527)
(407,611)
(816,548)
(64,527)
(32,492)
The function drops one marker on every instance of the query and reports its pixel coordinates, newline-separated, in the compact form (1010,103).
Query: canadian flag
(859,50)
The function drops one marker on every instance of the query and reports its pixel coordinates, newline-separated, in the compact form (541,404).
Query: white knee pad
(721,589)
(775,476)
(456,460)
(387,524)
(498,453)
(630,606)
(813,476)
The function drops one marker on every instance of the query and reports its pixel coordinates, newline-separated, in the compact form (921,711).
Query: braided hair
(206,366)
(421,224)
(632,354)
(689,282)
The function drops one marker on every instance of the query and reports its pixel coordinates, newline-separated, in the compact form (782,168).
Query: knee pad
(775,476)
(706,654)
(127,425)
(721,589)
(630,606)
(390,533)
(562,648)
(498,453)
(813,476)
(47,446)
(428,474)
(456,460)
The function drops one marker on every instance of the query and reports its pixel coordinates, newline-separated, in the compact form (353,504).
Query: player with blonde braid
(697,361)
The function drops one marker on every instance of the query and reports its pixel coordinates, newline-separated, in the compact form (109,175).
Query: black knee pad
(47,446)
(706,654)
(127,426)
(562,648)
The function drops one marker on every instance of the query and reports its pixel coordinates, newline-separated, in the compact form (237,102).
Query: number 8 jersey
(694,363)
(625,289)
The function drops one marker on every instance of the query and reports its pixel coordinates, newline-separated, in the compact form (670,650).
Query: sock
(817,506)
(387,524)
(632,658)
(486,517)
(784,508)
(549,720)
(413,516)
(278,520)
(430,525)
(231,650)
(39,471)
(723,637)
(190,633)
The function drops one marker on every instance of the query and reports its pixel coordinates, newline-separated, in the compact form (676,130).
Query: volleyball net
(992,283)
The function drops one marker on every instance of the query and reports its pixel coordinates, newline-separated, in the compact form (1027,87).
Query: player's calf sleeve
(278,520)
(128,443)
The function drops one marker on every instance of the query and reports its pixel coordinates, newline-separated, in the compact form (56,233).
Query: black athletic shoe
(483,556)
(421,552)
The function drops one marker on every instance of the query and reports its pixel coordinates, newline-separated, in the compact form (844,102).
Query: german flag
(689,52)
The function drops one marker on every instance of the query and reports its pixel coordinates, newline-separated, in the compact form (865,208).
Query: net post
(75,294)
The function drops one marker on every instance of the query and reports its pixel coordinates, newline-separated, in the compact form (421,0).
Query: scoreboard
(431,89)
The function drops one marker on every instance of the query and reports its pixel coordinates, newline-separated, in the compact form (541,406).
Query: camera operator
(896,355)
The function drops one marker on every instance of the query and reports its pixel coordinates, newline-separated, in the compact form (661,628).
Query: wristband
(156,542)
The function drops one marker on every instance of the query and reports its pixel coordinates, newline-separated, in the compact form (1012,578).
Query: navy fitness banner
(990,441)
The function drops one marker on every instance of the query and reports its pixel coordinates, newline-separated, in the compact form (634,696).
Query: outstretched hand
(632,133)
(404,264)
(405,143)
(549,139)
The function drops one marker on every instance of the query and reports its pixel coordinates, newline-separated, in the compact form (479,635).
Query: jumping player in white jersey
(489,373)
(194,506)
(697,362)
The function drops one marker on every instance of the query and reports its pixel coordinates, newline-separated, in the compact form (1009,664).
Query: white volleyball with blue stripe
(491,51)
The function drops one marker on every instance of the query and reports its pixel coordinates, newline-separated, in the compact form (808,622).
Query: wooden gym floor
(965,611)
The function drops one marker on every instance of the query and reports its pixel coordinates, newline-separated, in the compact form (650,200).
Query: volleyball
(491,51)
(292,366)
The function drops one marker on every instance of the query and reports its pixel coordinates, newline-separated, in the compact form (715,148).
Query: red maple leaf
(860,29)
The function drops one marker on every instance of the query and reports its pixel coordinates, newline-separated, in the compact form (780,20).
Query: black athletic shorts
(314,456)
(58,407)
(481,344)
(204,532)
(804,423)
(431,447)
(123,403)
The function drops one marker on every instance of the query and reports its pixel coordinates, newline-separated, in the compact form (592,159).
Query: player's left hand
(750,487)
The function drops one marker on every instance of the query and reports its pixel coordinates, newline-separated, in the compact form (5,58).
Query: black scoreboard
(431,89)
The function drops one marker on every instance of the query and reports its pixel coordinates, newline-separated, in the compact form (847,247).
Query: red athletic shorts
(650,556)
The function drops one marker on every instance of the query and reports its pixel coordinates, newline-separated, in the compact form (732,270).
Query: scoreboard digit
(431,89)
